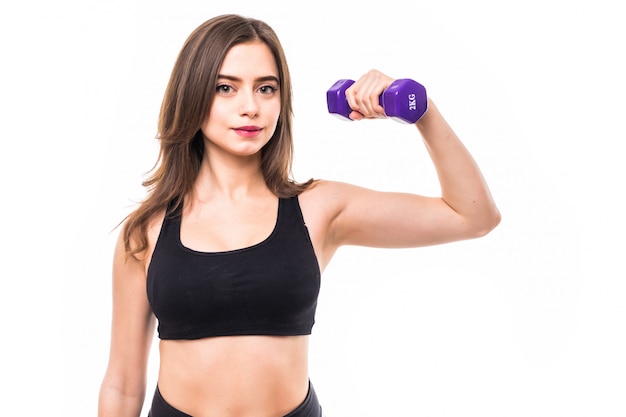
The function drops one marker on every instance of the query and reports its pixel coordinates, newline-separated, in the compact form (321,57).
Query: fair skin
(231,208)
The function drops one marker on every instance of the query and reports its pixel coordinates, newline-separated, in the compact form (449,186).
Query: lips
(248,128)
(248,131)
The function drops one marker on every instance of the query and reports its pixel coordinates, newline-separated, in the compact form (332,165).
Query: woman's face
(246,107)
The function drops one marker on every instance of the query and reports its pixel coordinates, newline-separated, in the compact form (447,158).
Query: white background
(527,321)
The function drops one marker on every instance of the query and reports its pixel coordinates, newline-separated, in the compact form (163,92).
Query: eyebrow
(264,78)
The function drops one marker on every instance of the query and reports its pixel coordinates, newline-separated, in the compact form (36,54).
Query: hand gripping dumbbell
(404,100)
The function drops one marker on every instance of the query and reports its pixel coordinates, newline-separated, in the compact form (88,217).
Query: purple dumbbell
(404,100)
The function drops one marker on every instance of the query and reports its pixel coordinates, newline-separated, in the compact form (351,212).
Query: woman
(231,249)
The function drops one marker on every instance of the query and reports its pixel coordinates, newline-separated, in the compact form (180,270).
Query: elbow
(487,223)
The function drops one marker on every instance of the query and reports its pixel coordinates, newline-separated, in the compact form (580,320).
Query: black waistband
(310,407)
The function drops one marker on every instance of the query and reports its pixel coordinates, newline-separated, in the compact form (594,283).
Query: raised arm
(463,188)
(123,388)
(359,216)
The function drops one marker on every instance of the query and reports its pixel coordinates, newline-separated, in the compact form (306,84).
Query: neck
(231,177)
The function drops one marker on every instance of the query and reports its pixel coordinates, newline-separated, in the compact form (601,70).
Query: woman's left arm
(463,188)
(365,217)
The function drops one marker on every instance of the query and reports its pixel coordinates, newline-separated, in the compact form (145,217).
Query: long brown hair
(186,104)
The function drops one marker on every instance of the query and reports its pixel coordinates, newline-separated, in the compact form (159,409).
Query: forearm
(463,187)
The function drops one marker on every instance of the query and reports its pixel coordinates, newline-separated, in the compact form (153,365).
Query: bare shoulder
(330,198)
(321,204)
(324,191)
(324,198)
(152,234)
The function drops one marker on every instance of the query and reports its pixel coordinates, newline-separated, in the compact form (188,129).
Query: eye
(224,89)
(267,89)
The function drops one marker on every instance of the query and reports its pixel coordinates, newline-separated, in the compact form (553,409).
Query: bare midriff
(235,376)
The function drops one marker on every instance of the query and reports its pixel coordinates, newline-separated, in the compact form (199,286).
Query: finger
(364,95)
(355,115)
(365,101)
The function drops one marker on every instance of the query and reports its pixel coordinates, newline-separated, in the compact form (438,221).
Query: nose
(248,105)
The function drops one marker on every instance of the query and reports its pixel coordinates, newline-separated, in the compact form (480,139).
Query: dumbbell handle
(404,100)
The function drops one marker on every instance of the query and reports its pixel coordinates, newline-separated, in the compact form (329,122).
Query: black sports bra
(270,288)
